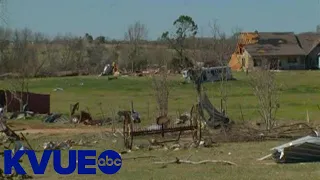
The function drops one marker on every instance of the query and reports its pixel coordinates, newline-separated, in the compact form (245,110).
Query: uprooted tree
(266,90)
(185,28)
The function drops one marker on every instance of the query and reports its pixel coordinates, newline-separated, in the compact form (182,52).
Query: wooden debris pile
(20,142)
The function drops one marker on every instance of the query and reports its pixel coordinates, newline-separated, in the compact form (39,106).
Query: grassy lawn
(299,92)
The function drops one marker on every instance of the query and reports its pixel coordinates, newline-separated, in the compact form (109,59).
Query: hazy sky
(112,17)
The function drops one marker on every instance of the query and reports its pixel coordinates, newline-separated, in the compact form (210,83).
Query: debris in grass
(180,161)
(58,89)
(305,149)
(67,144)
(55,118)
(183,118)
(56,146)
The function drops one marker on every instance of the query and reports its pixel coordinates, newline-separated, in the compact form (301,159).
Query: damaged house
(310,43)
(279,50)
(37,103)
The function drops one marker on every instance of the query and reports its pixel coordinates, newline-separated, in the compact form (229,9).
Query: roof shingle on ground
(308,40)
(275,44)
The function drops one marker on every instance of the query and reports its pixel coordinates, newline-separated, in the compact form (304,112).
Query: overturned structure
(210,74)
(305,149)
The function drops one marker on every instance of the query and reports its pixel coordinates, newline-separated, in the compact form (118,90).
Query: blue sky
(111,18)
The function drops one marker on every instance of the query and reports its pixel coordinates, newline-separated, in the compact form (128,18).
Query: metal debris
(305,149)
(58,89)
(55,118)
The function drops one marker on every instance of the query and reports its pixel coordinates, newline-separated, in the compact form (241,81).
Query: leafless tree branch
(266,90)
(135,35)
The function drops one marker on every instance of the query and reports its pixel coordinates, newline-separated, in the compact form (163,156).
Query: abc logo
(109,162)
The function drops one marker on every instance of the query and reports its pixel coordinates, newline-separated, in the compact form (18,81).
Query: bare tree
(135,35)
(97,56)
(49,57)
(41,45)
(23,57)
(266,90)
(5,36)
(161,87)
(3,8)
(223,47)
(72,54)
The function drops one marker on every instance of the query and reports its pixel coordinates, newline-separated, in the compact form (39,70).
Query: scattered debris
(84,117)
(67,144)
(55,146)
(135,116)
(305,149)
(55,117)
(110,70)
(245,132)
(210,74)
(179,161)
(18,142)
(58,89)
(208,142)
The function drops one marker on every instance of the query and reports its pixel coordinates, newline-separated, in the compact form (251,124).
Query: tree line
(34,54)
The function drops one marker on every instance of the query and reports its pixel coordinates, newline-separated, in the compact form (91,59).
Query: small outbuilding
(37,103)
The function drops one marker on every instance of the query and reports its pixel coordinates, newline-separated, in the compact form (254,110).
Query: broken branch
(138,157)
(179,161)
(265,157)
(26,140)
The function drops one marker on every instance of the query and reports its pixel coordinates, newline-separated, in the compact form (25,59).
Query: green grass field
(299,93)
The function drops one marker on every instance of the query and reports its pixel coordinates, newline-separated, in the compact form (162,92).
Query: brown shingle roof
(309,40)
(275,44)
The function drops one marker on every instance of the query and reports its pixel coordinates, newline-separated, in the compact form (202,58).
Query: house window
(292,60)
(256,62)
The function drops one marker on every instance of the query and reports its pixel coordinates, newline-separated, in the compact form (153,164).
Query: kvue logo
(109,161)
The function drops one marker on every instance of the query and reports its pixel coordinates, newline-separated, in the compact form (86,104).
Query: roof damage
(275,44)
